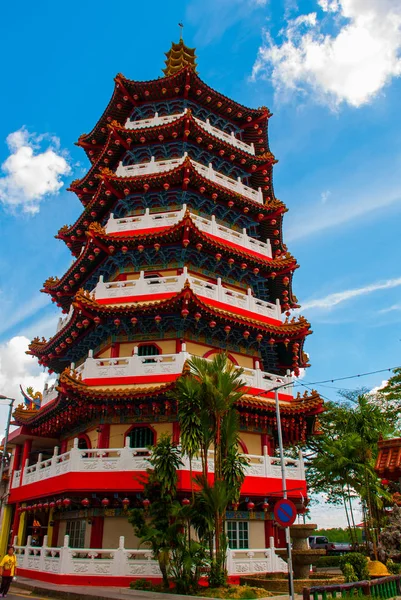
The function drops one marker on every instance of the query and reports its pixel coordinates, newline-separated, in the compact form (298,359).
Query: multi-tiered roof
(180,181)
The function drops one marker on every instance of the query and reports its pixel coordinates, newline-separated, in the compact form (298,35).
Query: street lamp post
(3,458)
(284,484)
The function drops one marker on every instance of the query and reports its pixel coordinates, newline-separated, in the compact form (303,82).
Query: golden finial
(179,56)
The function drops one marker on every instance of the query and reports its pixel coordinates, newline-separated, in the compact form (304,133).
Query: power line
(348,376)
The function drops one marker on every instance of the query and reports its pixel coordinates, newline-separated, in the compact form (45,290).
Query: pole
(3,458)
(284,483)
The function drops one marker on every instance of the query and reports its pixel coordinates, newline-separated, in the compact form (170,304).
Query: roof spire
(179,56)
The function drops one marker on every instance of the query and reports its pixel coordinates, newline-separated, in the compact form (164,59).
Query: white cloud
(393,308)
(325,196)
(332,300)
(17,368)
(327,515)
(351,65)
(31,171)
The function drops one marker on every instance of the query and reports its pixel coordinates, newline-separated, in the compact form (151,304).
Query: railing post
(120,558)
(301,465)
(213,227)
(75,457)
(219,290)
(211,172)
(269,247)
(250,300)
(260,195)
(278,308)
(65,555)
(40,456)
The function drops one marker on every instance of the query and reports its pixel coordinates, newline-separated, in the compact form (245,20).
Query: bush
(393,567)
(349,573)
(358,562)
(328,561)
(142,584)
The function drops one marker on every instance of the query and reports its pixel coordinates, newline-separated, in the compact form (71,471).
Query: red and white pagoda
(178,252)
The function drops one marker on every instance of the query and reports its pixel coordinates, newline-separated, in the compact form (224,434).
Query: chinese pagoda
(178,252)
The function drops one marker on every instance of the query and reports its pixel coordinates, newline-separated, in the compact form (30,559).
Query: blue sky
(328,70)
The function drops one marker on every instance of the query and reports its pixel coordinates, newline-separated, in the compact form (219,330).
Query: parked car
(321,542)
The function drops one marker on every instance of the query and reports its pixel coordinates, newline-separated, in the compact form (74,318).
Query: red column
(56,527)
(269,532)
(96,540)
(279,537)
(115,350)
(103,440)
(63,447)
(176,432)
(14,529)
(25,455)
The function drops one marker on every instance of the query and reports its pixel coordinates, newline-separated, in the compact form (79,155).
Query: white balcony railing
(168,364)
(123,562)
(174,283)
(160,166)
(227,137)
(137,459)
(49,393)
(62,322)
(168,219)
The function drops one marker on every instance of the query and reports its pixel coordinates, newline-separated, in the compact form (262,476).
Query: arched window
(148,350)
(141,437)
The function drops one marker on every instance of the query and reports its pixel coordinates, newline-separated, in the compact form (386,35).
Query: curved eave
(114,188)
(128,93)
(107,244)
(120,139)
(73,391)
(88,313)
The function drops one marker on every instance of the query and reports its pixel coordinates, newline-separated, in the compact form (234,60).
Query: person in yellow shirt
(8,570)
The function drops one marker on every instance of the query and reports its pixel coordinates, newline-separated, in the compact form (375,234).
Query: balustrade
(160,166)
(174,283)
(157,121)
(129,562)
(210,226)
(109,460)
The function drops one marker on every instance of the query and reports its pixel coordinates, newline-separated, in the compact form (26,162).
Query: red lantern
(85,502)
(231,261)
(125,503)
(256,270)
(384,482)
(227,329)
(134,320)
(105,502)
(117,322)
(250,506)
(158,319)
(212,324)
(146,503)
(246,334)
(259,337)
(197,316)
(34,506)
(46,506)
(185,501)
(66,502)
(52,505)
(218,256)
(184,313)
(59,503)
(40,506)
(265,506)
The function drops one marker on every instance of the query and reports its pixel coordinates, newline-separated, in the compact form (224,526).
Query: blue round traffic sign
(285,512)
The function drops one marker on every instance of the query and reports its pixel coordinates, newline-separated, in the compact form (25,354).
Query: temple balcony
(86,463)
(209,226)
(160,166)
(69,565)
(152,288)
(159,368)
(222,135)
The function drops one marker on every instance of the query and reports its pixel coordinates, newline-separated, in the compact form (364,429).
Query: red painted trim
(127,482)
(133,379)
(213,351)
(143,298)
(137,231)
(15,525)
(236,246)
(82,580)
(269,532)
(63,447)
(17,457)
(216,304)
(121,277)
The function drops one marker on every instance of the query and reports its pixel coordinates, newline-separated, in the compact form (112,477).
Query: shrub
(393,567)
(358,562)
(328,561)
(349,573)
(142,584)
